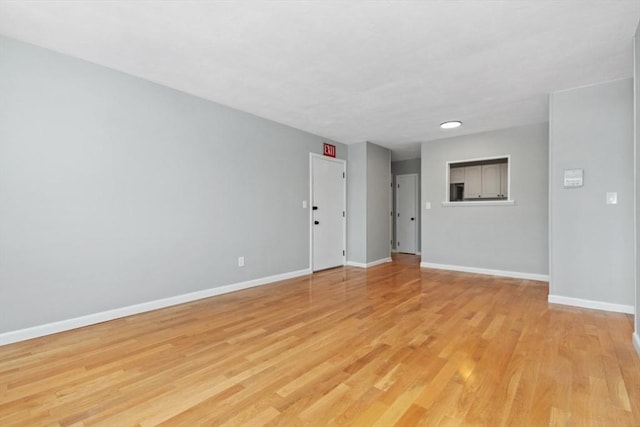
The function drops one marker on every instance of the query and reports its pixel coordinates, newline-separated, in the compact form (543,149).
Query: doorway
(328,212)
(407,213)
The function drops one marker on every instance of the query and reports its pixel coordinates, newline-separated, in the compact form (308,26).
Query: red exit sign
(329,150)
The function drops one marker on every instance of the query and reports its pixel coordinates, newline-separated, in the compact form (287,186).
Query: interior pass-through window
(478,180)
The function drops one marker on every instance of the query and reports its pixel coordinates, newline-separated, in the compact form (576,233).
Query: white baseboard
(595,305)
(636,342)
(91,319)
(369,264)
(356,264)
(514,274)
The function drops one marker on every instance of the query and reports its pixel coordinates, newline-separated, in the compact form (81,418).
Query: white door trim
(310,205)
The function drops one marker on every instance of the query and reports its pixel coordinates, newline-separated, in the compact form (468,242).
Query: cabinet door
(490,181)
(504,180)
(472,182)
(456,175)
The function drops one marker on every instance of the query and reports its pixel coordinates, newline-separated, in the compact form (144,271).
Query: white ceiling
(382,71)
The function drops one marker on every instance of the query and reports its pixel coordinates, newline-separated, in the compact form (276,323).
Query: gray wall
(508,238)
(357,203)
(405,167)
(378,209)
(591,128)
(368,212)
(116,191)
(636,51)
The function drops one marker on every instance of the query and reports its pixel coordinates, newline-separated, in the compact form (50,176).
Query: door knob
(412,219)
(316,222)
(315,208)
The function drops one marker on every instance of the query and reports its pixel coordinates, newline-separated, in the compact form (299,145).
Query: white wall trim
(91,319)
(369,264)
(594,305)
(356,264)
(636,342)
(479,203)
(514,274)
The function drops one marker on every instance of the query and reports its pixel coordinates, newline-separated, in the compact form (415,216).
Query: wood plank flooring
(391,345)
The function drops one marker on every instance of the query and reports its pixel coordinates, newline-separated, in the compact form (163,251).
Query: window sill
(480,203)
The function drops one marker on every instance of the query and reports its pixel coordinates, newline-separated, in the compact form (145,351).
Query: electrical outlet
(241,261)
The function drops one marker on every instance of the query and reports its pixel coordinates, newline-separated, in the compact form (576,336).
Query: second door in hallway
(407,213)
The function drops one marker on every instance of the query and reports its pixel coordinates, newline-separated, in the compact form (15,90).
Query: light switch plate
(427,205)
(612,198)
(304,204)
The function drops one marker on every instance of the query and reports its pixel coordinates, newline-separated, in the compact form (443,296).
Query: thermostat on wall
(573,178)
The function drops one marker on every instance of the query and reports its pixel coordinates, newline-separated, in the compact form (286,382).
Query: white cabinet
(472,182)
(504,180)
(490,181)
(485,181)
(456,175)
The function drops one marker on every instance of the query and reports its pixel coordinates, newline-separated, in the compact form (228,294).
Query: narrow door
(391,212)
(406,213)
(328,213)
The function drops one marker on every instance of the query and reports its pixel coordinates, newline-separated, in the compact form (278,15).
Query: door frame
(344,205)
(417,210)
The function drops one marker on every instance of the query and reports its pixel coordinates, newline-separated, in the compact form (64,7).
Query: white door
(407,213)
(391,212)
(328,219)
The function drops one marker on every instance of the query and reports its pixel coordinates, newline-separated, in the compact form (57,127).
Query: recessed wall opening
(478,179)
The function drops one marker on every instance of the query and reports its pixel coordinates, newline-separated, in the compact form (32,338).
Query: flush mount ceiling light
(451,124)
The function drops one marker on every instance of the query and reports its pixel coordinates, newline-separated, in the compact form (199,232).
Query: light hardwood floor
(391,345)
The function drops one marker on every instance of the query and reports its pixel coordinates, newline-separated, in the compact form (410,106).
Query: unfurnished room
(283,213)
